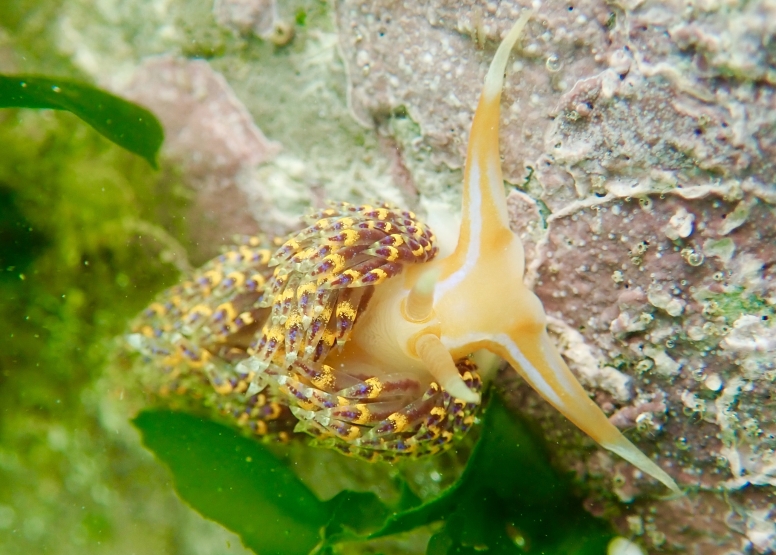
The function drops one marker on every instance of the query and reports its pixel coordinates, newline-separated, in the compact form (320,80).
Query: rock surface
(643,134)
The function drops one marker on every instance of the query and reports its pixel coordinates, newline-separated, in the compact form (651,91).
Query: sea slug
(356,331)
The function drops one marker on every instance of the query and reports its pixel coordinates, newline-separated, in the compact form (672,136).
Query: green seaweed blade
(235,481)
(507,501)
(124,123)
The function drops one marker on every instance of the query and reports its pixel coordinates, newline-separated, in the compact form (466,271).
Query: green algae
(734,302)
(235,481)
(507,501)
(32,24)
(73,271)
(77,197)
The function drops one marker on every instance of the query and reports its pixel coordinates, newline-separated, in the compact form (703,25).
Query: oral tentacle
(441,365)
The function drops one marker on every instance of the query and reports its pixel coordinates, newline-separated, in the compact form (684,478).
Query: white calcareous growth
(724,249)
(750,334)
(664,364)
(585,361)
(680,225)
(622,546)
(713,382)
(664,300)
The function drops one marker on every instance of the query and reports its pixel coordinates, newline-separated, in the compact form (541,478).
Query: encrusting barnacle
(356,332)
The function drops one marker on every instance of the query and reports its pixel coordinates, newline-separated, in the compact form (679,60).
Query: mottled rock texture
(639,140)
(210,134)
(641,137)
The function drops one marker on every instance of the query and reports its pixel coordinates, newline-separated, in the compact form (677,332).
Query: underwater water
(270,108)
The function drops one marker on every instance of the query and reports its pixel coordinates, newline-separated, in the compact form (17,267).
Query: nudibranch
(355,331)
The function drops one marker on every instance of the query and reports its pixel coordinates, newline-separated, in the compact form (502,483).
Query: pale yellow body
(474,299)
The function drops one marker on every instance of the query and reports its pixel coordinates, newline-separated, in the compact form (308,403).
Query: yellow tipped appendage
(441,365)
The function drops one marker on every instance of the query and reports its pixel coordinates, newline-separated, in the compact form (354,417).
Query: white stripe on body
(474,215)
(532,374)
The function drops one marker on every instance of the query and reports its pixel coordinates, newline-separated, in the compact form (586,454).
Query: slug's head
(418,310)
(479,299)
